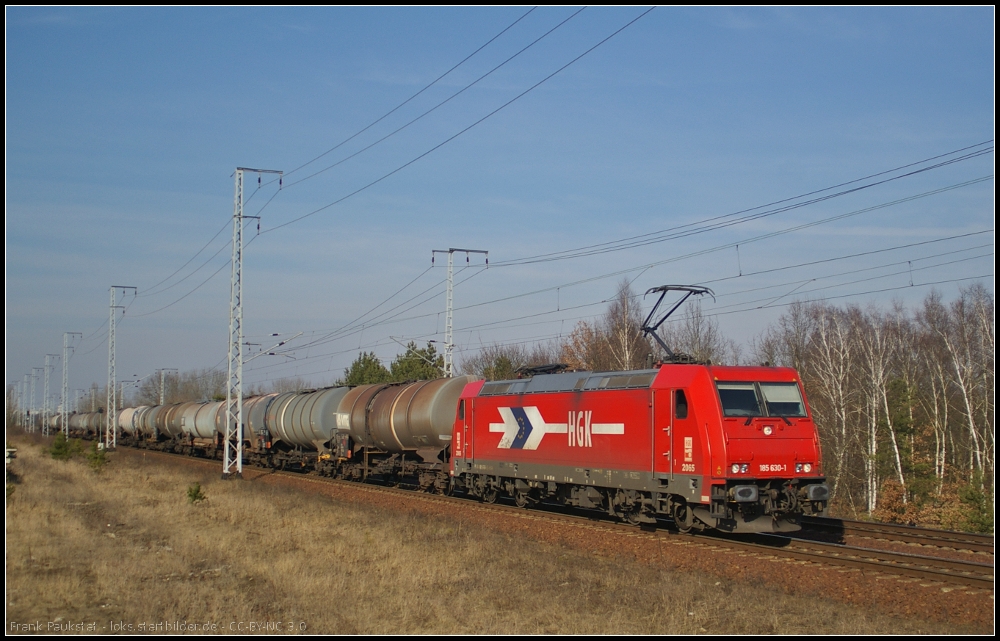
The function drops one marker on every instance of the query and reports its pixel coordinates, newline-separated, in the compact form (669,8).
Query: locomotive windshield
(739,399)
(783,399)
(745,399)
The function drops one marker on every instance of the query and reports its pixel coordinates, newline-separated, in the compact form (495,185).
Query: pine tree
(417,364)
(366,369)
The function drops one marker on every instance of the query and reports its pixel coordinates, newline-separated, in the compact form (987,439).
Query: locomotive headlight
(744,468)
(767,430)
(807,468)
(736,468)
(798,468)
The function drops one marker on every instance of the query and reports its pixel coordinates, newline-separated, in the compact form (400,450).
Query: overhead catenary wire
(456,135)
(550,336)
(417,317)
(370,323)
(977,150)
(152,290)
(724,246)
(741,305)
(334,335)
(440,104)
(400,105)
(712,223)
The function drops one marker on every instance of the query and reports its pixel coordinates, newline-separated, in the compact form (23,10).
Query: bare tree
(500,362)
(627,347)
(699,335)
(586,348)
(194,385)
(832,372)
(495,362)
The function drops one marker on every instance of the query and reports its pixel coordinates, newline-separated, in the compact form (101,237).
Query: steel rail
(902,533)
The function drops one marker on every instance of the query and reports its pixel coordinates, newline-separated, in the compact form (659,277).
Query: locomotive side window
(680,404)
(783,399)
(461,410)
(739,399)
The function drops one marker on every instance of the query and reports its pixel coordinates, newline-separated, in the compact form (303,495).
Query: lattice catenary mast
(163,382)
(232,462)
(449,344)
(110,429)
(45,397)
(64,414)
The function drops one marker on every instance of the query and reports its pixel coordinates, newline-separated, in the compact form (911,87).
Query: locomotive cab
(771,459)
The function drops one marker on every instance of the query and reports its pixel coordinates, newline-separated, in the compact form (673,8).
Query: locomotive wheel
(521,498)
(683,517)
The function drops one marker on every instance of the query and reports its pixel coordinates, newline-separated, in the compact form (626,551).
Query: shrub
(195,495)
(96,457)
(64,449)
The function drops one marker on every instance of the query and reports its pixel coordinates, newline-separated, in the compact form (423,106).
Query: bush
(195,495)
(978,507)
(96,457)
(64,449)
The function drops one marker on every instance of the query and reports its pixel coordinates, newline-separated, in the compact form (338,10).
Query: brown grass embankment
(126,545)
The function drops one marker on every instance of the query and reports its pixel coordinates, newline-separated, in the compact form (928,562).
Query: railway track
(928,571)
(840,528)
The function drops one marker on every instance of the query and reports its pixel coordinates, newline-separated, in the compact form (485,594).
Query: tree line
(904,403)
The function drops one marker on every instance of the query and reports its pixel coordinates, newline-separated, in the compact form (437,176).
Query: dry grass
(127,545)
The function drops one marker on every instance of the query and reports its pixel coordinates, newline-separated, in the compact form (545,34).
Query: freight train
(727,448)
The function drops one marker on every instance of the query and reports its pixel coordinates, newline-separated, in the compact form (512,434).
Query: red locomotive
(731,448)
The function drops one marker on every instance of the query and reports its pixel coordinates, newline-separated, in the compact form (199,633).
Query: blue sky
(124,127)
